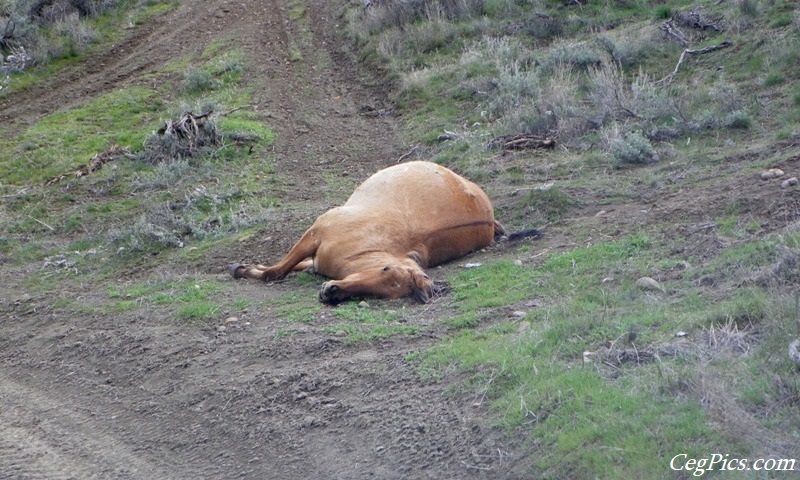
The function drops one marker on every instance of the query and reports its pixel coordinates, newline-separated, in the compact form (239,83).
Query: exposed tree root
(700,51)
(94,164)
(523,142)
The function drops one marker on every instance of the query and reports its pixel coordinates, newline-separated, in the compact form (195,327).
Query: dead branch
(668,79)
(522,142)
(405,156)
(96,163)
(697,19)
(671,30)
(189,135)
(18,194)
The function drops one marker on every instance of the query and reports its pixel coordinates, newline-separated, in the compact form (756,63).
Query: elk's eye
(385,269)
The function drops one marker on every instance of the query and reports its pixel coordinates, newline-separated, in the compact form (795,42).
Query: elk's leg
(297,259)
(306,265)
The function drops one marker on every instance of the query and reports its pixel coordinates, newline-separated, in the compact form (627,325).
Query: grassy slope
(593,376)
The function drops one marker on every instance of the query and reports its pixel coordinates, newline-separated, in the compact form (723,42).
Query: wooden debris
(523,142)
(697,19)
(700,51)
(673,31)
(188,136)
(408,155)
(94,164)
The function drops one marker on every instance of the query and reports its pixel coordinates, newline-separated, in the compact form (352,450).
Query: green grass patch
(195,300)
(610,420)
(360,323)
(70,138)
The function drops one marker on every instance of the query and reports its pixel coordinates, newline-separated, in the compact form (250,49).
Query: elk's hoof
(234,270)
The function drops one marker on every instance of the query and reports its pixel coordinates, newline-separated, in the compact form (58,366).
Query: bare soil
(140,395)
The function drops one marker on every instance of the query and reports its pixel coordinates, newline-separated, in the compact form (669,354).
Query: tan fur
(400,221)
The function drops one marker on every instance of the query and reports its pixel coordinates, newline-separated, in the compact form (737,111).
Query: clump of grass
(748,7)
(546,205)
(773,78)
(663,12)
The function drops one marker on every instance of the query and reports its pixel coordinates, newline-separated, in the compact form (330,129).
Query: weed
(546,205)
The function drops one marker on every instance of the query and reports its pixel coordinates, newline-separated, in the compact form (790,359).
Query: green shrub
(737,119)
(633,148)
(782,20)
(748,7)
(663,12)
(196,80)
(774,78)
(579,56)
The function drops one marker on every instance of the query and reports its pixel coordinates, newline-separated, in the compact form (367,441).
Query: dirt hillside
(138,396)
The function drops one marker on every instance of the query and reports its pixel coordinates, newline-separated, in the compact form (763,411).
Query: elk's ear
(421,286)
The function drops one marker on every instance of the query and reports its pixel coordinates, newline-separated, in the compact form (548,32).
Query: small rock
(771,173)
(222,328)
(681,334)
(791,182)
(230,320)
(707,281)
(340,333)
(794,351)
(587,357)
(472,265)
(647,283)
(518,263)
(518,314)
(363,304)
(25,298)
(300,396)
(310,421)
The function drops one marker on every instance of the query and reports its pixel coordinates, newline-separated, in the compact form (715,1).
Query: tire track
(47,439)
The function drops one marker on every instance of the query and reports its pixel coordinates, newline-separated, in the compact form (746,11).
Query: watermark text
(719,462)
